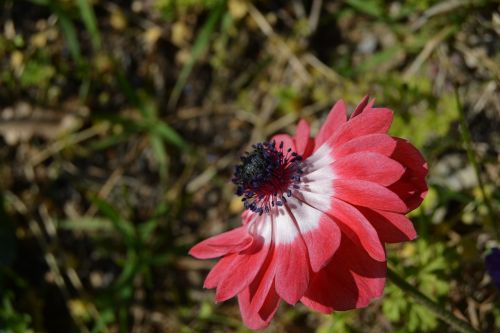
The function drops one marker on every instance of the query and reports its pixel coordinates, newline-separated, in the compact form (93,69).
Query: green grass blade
(87,224)
(369,7)
(69,31)
(379,58)
(160,155)
(125,228)
(471,155)
(200,45)
(90,22)
(151,124)
(168,134)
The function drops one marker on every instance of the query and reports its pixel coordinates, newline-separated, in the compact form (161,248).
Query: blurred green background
(120,122)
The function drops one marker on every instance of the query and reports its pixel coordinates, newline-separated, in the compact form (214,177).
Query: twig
(51,261)
(105,190)
(61,144)
(438,9)
(266,28)
(314,16)
(472,158)
(481,59)
(426,52)
(323,69)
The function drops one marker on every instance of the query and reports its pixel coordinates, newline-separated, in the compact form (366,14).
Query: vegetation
(120,123)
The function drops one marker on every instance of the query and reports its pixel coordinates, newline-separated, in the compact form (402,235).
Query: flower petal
(391,227)
(351,280)
(361,106)
(287,140)
(368,166)
(218,271)
(319,159)
(378,143)
(410,157)
(241,271)
(376,121)
(232,241)
(292,275)
(303,142)
(320,233)
(292,270)
(260,286)
(334,120)
(357,228)
(368,194)
(258,319)
(412,187)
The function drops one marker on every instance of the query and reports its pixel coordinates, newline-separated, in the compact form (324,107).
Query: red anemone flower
(318,211)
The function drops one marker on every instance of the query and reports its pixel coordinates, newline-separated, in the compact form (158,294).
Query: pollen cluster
(267,175)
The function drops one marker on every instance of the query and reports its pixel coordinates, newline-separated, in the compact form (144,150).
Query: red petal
(270,304)
(358,228)
(363,105)
(240,272)
(218,271)
(259,288)
(412,187)
(351,280)
(411,190)
(292,271)
(320,233)
(376,121)
(302,139)
(287,141)
(258,319)
(334,120)
(368,194)
(232,241)
(410,157)
(391,227)
(377,143)
(368,166)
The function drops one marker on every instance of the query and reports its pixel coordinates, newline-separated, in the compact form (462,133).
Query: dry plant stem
(426,52)
(438,310)
(472,159)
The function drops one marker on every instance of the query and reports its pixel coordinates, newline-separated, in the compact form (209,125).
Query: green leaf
(160,155)
(86,224)
(148,112)
(379,58)
(68,30)
(146,229)
(125,228)
(12,321)
(131,267)
(107,316)
(369,7)
(200,45)
(169,135)
(90,23)
(36,74)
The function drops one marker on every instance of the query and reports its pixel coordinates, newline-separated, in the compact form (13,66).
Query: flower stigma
(266,175)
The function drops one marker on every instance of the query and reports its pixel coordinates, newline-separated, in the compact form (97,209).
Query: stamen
(266,175)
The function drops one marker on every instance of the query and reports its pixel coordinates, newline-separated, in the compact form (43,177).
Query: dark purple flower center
(266,175)
(493,265)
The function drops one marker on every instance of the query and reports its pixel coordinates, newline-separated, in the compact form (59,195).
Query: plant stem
(438,310)
(472,159)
